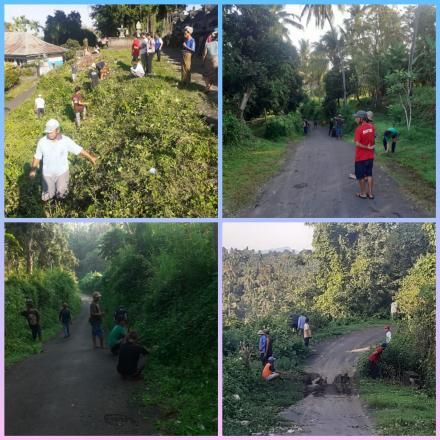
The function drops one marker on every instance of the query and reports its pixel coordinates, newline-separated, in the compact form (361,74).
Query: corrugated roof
(26,44)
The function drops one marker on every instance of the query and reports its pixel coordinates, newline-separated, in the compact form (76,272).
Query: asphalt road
(314,183)
(331,413)
(71,389)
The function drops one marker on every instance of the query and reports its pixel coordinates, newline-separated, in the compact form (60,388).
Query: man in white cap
(53,149)
(189,48)
(39,106)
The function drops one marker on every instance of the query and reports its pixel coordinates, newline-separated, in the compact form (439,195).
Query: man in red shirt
(373,359)
(364,138)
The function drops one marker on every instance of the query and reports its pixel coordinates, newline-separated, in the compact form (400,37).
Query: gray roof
(25,44)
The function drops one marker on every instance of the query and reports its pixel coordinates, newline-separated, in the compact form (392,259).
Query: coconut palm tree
(325,14)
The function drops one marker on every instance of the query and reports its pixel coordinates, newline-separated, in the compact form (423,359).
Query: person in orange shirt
(269,372)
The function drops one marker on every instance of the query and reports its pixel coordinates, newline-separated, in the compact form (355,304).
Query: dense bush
(133,124)
(282,126)
(12,75)
(90,283)
(48,290)
(235,131)
(165,275)
(72,46)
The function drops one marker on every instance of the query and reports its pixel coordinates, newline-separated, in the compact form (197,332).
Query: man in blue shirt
(189,48)
(262,346)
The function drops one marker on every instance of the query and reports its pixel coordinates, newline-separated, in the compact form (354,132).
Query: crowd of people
(122,342)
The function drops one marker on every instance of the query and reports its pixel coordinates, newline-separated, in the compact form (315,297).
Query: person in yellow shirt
(269,372)
(307,332)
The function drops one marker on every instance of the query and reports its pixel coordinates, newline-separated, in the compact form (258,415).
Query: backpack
(121,315)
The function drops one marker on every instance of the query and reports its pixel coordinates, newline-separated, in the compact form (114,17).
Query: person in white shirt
(53,149)
(151,50)
(388,334)
(138,70)
(39,106)
(143,50)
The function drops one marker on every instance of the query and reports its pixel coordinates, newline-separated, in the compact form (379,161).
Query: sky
(263,236)
(310,31)
(40,12)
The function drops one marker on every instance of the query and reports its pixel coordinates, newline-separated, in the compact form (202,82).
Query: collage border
(219,219)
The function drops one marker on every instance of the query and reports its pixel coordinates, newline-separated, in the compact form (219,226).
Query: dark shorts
(97,329)
(363,168)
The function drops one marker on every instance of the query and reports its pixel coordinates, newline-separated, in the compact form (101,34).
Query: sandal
(370,196)
(361,196)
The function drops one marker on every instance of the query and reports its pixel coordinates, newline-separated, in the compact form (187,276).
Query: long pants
(306,341)
(144,61)
(186,66)
(36,331)
(149,67)
(66,329)
(158,53)
(78,117)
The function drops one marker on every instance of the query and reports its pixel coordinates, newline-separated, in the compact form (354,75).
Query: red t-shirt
(374,357)
(77,107)
(135,47)
(364,134)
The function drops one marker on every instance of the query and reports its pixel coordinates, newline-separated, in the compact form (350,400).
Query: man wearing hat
(269,372)
(39,106)
(96,320)
(189,48)
(364,138)
(54,149)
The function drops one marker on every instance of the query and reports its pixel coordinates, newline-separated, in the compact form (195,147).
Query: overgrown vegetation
(12,76)
(166,277)
(133,124)
(346,282)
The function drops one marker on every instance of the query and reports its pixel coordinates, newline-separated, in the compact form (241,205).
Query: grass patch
(413,163)
(398,410)
(25,84)
(247,168)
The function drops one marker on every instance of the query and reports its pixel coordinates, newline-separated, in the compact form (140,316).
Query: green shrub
(73,46)
(12,76)
(235,131)
(90,283)
(48,290)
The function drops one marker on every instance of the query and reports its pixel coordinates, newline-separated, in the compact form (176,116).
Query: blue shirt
(262,344)
(191,44)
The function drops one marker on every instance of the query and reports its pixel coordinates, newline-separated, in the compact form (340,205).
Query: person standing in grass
(151,50)
(307,332)
(79,106)
(74,70)
(54,149)
(32,316)
(117,336)
(94,76)
(189,49)
(158,43)
(210,61)
(388,335)
(66,319)
(364,139)
(135,48)
(95,320)
(39,106)
(390,136)
(262,346)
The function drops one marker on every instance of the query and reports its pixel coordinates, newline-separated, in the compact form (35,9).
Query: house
(23,47)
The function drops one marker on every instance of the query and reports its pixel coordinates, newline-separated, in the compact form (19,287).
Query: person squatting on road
(189,49)
(132,357)
(79,106)
(117,336)
(390,136)
(54,149)
(307,332)
(95,320)
(33,318)
(364,138)
(65,318)
(269,371)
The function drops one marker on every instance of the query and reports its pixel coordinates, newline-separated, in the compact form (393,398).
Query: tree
(23,24)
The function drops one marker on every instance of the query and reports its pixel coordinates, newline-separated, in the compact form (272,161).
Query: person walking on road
(307,332)
(132,357)
(339,123)
(66,319)
(189,49)
(390,136)
(330,126)
(32,316)
(54,149)
(95,320)
(39,106)
(364,138)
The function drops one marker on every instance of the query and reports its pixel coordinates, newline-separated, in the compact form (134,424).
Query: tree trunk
(244,101)
(29,256)
(413,49)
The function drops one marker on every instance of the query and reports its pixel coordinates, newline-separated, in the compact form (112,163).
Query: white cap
(51,125)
